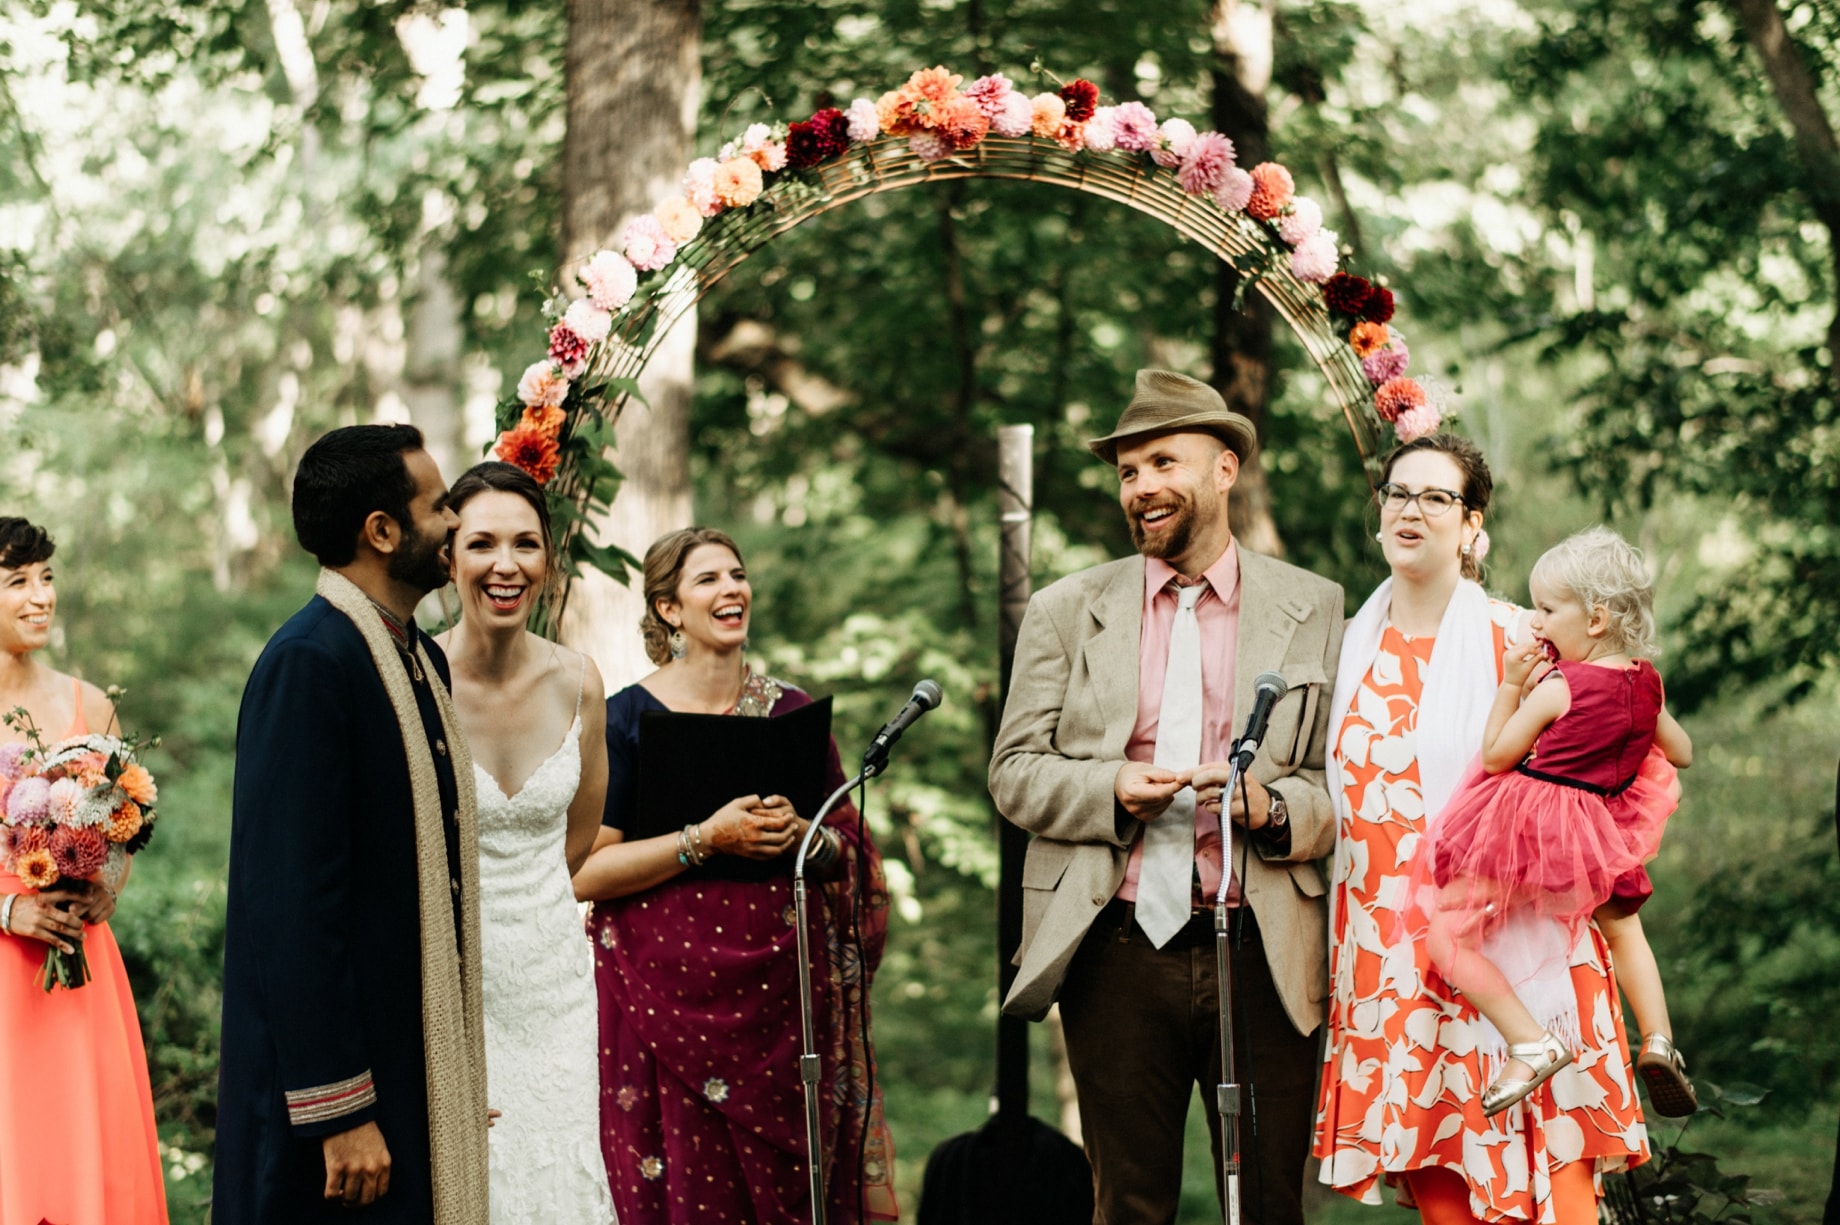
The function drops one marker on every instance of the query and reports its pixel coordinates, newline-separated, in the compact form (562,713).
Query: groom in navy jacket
(325,1085)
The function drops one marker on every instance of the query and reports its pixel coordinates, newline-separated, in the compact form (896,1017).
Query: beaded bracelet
(690,852)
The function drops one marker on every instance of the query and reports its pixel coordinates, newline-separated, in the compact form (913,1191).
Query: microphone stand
(1226,1093)
(808,1026)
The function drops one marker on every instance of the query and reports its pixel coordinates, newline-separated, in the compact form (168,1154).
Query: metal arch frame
(887,165)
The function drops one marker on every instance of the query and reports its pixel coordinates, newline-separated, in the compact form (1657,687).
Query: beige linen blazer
(1071,709)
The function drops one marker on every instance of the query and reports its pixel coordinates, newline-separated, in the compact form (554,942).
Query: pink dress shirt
(1217,611)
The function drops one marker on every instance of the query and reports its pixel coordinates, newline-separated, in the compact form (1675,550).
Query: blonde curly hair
(1602,570)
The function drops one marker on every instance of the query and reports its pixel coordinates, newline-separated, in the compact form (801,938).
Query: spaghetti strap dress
(1556,834)
(78,1145)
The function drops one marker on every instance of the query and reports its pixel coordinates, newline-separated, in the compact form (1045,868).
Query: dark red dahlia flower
(1082,99)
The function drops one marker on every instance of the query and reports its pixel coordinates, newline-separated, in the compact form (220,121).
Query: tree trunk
(633,77)
(431,364)
(1241,32)
(1795,90)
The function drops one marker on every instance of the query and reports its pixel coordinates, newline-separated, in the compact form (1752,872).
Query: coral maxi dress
(1402,1081)
(78,1144)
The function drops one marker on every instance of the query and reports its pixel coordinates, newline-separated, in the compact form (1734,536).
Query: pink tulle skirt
(1515,842)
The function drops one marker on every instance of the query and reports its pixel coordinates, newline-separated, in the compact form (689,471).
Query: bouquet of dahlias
(74,810)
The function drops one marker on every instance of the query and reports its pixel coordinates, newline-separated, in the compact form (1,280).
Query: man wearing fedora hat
(1129,679)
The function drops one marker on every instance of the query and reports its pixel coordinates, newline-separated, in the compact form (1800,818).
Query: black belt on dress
(1580,784)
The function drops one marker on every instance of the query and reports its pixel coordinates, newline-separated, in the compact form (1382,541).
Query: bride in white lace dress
(534,716)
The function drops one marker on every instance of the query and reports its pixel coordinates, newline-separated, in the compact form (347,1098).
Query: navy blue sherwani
(322,1027)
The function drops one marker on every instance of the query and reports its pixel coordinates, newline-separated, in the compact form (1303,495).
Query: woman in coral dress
(77,1139)
(1404,1065)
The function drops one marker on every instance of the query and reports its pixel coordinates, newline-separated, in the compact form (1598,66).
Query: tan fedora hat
(1166,403)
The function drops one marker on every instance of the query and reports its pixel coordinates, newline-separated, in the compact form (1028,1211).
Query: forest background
(228,226)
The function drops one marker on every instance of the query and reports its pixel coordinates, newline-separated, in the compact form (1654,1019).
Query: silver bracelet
(828,847)
(6,913)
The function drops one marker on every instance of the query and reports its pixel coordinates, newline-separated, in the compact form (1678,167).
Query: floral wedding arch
(929,130)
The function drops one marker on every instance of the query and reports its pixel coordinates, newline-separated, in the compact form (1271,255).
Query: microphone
(927,695)
(1269,687)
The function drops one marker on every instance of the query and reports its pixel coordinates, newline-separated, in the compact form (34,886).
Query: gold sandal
(1662,1069)
(1544,1057)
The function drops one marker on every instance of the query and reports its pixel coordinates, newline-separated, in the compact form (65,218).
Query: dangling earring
(680,645)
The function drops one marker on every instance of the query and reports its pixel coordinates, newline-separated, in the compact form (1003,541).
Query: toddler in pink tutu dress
(1553,824)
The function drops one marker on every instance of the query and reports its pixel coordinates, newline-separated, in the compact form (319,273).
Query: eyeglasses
(1432,503)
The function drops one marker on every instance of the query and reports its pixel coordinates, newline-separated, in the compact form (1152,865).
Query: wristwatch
(1279,814)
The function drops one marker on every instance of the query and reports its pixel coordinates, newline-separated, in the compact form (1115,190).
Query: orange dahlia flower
(135,780)
(896,114)
(545,419)
(962,123)
(738,182)
(1367,338)
(930,89)
(1048,113)
(37,869)
(531,450)
(124,822)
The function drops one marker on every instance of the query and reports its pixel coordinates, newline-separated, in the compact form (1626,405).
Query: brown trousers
(1143,1032)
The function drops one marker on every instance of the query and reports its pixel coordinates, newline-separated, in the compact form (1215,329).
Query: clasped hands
(1145,791)
(56,916)
(754,827)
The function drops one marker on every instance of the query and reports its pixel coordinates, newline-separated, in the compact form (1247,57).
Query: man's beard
(418,562)
(1173,540)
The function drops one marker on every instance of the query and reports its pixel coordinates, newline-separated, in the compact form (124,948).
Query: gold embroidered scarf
(453,1017)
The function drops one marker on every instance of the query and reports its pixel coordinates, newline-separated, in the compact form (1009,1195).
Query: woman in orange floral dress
(77,1138)
(1407,1058)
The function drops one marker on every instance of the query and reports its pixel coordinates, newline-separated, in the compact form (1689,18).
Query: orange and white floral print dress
(1402,1077)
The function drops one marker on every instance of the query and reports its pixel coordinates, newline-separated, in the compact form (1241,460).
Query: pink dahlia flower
(567,349)
(929,146)
(647,245)
(61,800)
(1017,118)
(1235,189)
(1204,166)
(13,759)
(588,321)
(610,280)
(864,125)
(1301,223)
(27,800)
(991,93)
(1101,137)
(1389,363)
(1416,422)
(1135,127)
(1174,139)
(1314,261)
(700,186)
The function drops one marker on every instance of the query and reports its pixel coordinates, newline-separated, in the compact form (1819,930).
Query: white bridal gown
(542,1025)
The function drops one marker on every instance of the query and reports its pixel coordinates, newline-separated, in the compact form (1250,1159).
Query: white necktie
(1165,875)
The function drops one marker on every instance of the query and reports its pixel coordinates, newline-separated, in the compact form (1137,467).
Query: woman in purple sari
(702,1111)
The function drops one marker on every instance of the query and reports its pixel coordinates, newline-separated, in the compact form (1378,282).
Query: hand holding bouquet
(73,811)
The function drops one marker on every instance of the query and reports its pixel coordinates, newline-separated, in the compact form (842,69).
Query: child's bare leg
(1636,971)
(1455,945)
